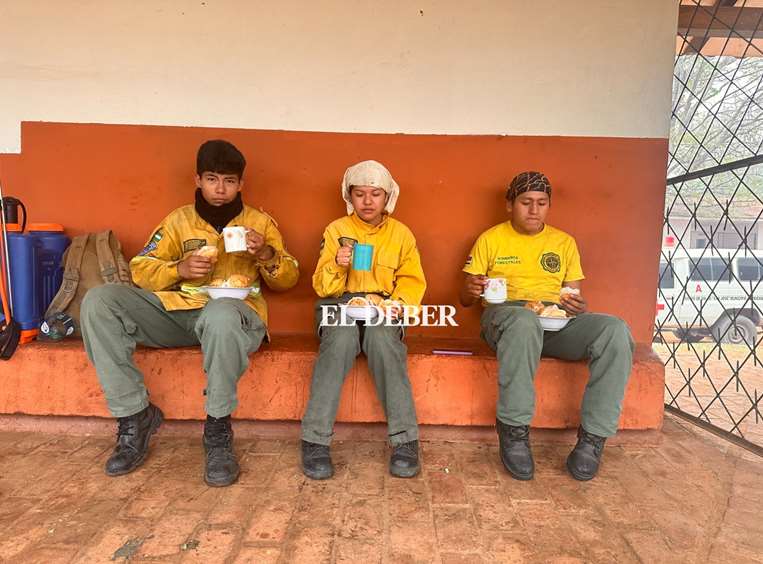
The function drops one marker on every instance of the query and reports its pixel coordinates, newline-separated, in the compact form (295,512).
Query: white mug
(235,239)
(495,291)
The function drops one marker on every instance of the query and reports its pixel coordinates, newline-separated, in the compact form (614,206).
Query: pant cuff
(312,436)
(598,430)
(125,409)
(221,411)
(404,437)
(515,422)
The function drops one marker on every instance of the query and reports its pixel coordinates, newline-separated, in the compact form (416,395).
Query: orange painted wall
(609,194)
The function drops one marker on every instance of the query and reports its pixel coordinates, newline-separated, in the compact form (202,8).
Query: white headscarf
(370,173)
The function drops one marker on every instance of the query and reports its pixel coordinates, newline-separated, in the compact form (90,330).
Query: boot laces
(314,450)
(125,427)
(217,433)
(594,440)
(409,449)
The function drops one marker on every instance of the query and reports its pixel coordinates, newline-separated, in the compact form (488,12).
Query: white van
(708,293)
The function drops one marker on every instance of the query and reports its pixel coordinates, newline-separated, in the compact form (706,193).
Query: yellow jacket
(396,269)
(182,232)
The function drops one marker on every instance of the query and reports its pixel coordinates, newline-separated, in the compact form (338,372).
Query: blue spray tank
(34,259)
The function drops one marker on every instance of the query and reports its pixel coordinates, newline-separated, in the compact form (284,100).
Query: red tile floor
(679,495)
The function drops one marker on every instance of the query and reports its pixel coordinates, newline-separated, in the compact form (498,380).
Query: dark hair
(221,157)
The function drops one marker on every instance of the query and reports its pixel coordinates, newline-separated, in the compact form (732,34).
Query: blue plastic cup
(362,256)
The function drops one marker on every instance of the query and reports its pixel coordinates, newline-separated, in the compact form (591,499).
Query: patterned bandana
(530,181)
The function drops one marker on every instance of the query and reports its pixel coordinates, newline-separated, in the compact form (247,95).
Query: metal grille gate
(710,300)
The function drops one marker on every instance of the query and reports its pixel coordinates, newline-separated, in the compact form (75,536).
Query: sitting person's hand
(195,266)
(255,245)
(343,256)
(475,285)
(574,304)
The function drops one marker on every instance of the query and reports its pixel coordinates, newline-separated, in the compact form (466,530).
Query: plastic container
(50,249)
(23,260)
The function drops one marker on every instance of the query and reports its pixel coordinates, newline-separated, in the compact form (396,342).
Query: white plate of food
(363,309)
(551,318)
(237,286)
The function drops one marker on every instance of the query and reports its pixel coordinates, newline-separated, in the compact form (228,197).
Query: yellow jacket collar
(367,227)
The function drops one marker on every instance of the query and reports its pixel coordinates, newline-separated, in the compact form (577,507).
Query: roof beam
(704,23)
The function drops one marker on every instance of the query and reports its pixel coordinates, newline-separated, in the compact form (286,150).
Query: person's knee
(99,300)
(221,315)
(616,331)
(521,323)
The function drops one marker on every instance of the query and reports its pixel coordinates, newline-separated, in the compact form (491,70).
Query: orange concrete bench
(57,379)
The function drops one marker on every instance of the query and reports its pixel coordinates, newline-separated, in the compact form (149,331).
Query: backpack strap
(106,261)
(123,268)
(72,267)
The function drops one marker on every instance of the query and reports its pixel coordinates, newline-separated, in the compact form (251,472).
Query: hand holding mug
(344,256)
(254,241)
(475,285)
(255,245)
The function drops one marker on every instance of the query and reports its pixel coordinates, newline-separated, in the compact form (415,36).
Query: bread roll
(207,251)
(374,299)
(536,307)
(238,281)
(358,302)
(553,311)
(217,282)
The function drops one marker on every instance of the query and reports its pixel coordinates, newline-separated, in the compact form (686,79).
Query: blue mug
(362,256)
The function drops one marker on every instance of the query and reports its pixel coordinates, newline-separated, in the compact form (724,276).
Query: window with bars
(710,296)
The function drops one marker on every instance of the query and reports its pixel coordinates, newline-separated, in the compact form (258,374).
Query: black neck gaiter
(218,216)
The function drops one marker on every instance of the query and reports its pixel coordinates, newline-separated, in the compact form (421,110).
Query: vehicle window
(666,276)
(749,268)
(701,270)
(709,269)
(721,269)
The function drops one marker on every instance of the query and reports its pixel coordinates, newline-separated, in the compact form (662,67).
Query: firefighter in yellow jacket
(392,270)
(170,309)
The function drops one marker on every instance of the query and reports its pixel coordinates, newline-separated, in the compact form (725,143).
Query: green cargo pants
(519,341)
(387,360)
(116,318)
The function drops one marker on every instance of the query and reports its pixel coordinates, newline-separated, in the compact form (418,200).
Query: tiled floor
(725,392)
(684,497)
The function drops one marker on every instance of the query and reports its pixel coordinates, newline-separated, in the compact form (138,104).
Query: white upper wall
(519,67)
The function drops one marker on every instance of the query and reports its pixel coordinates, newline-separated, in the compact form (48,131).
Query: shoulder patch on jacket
(151,246)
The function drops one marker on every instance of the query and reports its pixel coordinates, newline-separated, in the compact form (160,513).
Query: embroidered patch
(469,260)
(193,244)
(151,246)
(147,249)
(551,262)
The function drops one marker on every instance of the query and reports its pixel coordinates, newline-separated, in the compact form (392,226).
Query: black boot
(133,434)
(514,444)
(221,467)
(316,461)
(404,462)
(583,462)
